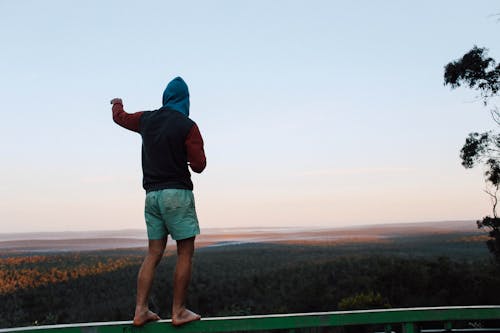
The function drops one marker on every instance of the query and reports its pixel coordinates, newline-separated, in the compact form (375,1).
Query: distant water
(48,235)
(131,238)
(141,233)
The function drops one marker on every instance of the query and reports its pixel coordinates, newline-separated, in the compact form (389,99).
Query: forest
(252,278)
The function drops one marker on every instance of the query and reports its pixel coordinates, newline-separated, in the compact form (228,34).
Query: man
(170,142)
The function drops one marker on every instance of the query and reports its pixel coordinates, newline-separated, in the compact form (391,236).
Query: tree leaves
(476,71)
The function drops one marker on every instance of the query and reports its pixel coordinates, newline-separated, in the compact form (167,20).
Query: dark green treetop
(479,72)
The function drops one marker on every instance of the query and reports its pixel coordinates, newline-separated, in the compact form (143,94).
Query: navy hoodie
(169,140)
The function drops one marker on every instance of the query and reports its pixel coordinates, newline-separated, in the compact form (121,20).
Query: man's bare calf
(144,281)
(182,277)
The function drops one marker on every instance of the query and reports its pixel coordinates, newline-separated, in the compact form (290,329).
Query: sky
(313,113)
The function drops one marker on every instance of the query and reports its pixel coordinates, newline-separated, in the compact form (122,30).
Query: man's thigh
(155,223)
(179,213)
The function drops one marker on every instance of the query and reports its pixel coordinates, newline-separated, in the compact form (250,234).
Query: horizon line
(249,227)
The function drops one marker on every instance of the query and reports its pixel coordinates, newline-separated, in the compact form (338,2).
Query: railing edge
(281,321)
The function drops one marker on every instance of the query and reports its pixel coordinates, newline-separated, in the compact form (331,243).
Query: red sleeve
(130,121)
(195,152)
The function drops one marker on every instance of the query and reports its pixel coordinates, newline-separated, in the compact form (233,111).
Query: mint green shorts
(171,211)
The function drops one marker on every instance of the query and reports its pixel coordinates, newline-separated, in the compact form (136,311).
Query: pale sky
(314,113)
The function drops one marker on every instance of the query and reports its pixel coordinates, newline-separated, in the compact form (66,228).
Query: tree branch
(494,199)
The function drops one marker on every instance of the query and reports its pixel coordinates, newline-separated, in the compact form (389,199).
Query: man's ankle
(178,310)
(140,309)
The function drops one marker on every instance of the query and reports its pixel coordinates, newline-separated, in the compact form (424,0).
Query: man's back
(170,138)
(164,153)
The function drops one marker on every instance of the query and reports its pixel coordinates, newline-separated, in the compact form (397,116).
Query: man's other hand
(116,101)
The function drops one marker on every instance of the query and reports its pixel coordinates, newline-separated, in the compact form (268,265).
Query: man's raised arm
(129,121)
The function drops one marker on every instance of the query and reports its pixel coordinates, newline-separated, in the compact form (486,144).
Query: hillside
(382,234)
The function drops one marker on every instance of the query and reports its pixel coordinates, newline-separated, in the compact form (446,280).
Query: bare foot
(184,316)
(145,317)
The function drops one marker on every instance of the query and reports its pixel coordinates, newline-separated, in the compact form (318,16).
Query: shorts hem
(185,237)
(156,237)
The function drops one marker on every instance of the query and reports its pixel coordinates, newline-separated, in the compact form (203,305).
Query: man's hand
(116,101)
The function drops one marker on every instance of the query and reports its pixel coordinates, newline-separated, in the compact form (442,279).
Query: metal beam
(282,321)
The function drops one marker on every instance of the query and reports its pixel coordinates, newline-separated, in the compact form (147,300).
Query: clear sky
(314,113)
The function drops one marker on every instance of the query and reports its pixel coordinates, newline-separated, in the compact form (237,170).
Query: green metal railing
(399,320)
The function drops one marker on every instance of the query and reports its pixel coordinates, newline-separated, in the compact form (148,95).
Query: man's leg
(145,280)
(182,277)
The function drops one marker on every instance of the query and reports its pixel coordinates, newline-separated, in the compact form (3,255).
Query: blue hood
(176,96)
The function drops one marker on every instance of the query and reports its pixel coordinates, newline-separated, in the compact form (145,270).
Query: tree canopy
(476,71)
(479,72)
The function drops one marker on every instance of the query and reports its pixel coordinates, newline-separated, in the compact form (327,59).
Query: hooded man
(170,142)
